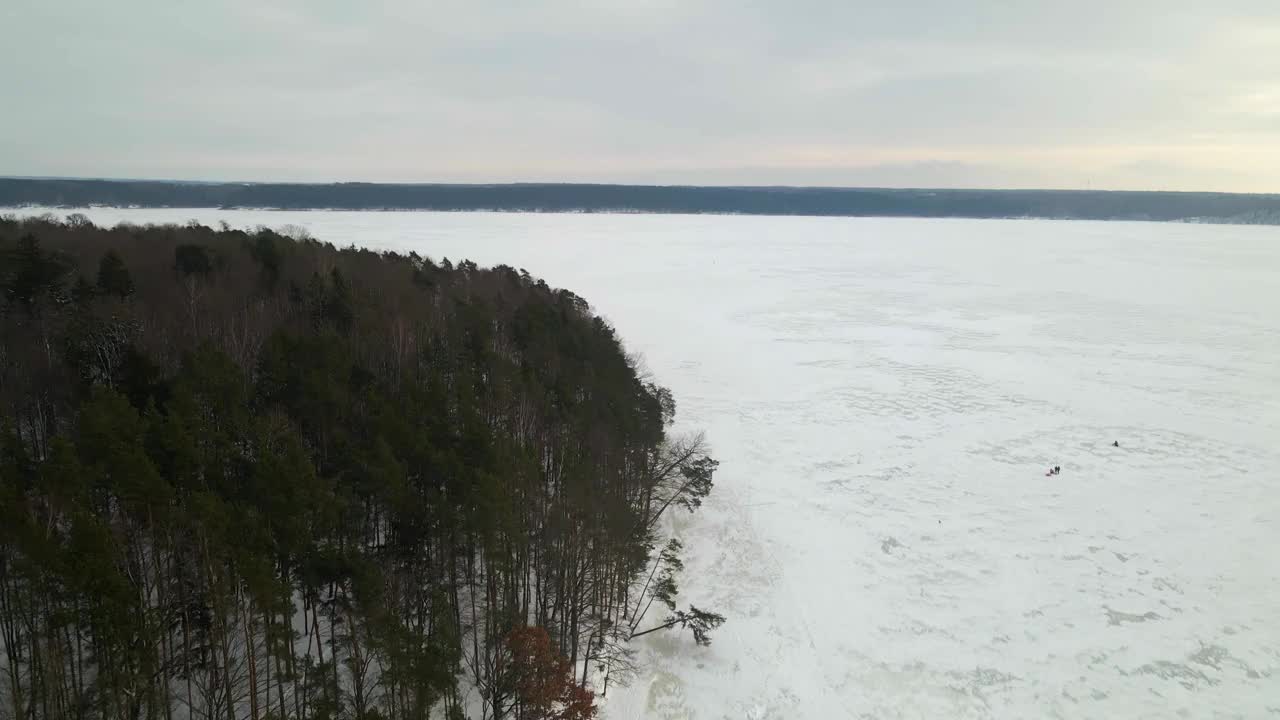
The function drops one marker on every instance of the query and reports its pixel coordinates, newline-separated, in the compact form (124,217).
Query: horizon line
(572,183)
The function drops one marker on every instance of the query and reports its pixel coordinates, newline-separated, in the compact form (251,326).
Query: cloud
(982,93)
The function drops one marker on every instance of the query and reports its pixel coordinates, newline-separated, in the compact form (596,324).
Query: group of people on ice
(1057,469)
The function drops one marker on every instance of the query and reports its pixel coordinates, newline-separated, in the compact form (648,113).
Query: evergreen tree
(113,276)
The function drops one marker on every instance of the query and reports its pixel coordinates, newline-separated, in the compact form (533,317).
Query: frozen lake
(884,396)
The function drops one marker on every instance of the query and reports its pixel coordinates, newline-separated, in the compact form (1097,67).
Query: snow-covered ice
(885,396)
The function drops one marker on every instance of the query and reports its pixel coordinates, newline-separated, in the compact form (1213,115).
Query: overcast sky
(1126,94)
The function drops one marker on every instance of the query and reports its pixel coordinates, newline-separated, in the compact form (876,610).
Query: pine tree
(113,276)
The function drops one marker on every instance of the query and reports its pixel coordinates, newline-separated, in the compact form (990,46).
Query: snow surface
(884,396)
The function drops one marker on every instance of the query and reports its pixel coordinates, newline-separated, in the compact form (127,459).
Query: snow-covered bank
(884,396)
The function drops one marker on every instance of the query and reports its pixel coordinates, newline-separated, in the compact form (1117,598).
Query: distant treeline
(1065,204)
(247,476)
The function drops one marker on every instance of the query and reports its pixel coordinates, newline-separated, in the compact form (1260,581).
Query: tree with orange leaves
(539,680)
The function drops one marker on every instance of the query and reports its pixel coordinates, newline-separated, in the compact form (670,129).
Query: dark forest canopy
(1064,204)
(244,475)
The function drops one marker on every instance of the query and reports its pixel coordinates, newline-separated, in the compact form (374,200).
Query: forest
(566,197)
(248,474)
